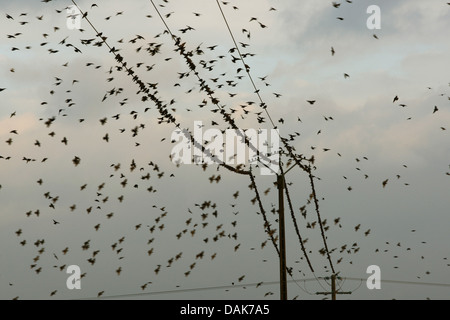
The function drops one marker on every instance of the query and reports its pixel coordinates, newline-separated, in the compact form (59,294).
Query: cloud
(294,52)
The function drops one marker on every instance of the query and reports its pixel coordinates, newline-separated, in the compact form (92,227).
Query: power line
(228,118)
(263,213)
(247,68)
(257,92)
(316,203)
(198,289)
(446,285)
(291,209)
(159,103)
(206,88)
(289,149)
(208,91)
(359,286)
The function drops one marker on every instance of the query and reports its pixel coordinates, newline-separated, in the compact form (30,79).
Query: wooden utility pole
(282,239)
(333,287)
(333,292)
(282,233)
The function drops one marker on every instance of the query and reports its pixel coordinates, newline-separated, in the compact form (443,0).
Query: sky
(380,137)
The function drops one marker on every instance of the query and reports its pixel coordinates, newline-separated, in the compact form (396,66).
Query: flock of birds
(208,220)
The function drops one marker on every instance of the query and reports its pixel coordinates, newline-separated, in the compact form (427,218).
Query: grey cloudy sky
(408,219)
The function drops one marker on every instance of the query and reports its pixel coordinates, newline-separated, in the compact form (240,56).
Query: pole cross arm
(328,293)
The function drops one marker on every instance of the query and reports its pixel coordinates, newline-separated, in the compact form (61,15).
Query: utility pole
(333,292)
(333,287)
(281,235)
